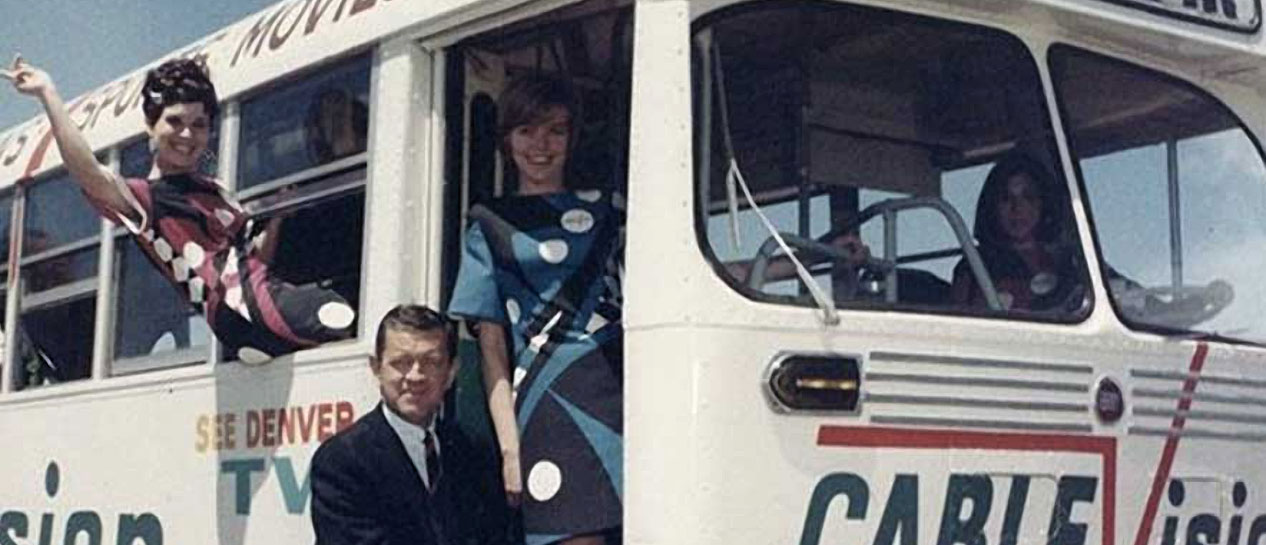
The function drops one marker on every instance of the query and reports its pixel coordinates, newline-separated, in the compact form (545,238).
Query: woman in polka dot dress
(540,275)
(189,227)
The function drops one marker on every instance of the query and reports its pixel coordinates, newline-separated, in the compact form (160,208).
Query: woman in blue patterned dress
(540,276)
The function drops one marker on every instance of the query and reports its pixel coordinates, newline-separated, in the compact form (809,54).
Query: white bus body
(941,425)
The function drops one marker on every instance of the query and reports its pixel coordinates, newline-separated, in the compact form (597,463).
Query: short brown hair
(418,318)
(527,98)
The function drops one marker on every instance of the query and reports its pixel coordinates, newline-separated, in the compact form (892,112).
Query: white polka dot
(596,322)
(193,254)
(577,220)
(148,235)
(165,343)
(589,195)
(196,287)
(162,249)
(554,251)
(519,374)
(225,216)
(544,480)
(252,356)
(179,270)
(233,298)
(230,264)
(538,341)
(335,315)
(513,311)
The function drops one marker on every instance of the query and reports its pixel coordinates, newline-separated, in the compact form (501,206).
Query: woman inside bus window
(540,276)
(1023,241)
(336,126)
(189,227)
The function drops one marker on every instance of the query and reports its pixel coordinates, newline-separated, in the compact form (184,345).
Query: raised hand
(27,79)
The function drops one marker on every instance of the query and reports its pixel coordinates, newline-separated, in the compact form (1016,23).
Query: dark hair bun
(178,81)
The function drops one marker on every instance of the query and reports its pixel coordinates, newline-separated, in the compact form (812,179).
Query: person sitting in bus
(781,268)
(541,276)
(1023,240)
(336,126)
(197,235)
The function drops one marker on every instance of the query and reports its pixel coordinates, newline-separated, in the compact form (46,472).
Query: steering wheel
(1175,306)
(841,257)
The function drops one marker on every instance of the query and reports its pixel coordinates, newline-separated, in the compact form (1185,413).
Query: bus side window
(154,326)
(302,157)
(58,265)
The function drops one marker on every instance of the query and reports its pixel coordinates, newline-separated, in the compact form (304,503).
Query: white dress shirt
(412,436)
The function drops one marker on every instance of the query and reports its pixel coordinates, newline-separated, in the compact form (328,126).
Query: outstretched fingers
(14,73)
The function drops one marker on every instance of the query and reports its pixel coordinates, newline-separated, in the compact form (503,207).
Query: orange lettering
(286,425)
(344,415)
(252,429)
(204,440)
(230,431)
(361,5)
(269,426)
(324,422)
(277,40)
(305,424)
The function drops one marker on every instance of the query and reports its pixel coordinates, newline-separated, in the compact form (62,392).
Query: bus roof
(292,35)
(285,37)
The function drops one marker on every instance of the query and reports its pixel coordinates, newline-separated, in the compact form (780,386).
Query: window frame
(1050,142)
(1054,49)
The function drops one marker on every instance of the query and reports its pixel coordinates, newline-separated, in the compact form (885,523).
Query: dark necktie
(432,462)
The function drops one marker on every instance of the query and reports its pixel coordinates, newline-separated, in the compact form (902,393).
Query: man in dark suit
(399,475)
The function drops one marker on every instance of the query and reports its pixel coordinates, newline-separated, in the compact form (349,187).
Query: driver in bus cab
(189,227)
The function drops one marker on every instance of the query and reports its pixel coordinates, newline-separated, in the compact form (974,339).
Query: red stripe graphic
(878,437)
(1171,445)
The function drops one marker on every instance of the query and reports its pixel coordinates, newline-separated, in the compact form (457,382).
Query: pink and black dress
(203,242)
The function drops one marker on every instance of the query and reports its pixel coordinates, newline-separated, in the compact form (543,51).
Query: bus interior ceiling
(1109,121)
(865,102)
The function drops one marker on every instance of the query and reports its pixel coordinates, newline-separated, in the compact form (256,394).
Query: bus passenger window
(155,326)
(303,159)
(59,283)
(1176,187)
(907,162)
(305,124)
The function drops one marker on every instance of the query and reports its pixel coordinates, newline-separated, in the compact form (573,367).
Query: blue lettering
(241,470)
(296,494)
(968,531)
(835,484)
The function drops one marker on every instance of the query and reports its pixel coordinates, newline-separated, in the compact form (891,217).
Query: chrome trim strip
(976,402)
(1198,434)
(980,381)
(1200,396)
(1213,416)
(975,423)
(1205,378)
(982,362)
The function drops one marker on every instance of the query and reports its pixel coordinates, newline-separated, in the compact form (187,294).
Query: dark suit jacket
(365,490)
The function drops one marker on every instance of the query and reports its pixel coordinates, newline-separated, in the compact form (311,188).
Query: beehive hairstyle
(178,81)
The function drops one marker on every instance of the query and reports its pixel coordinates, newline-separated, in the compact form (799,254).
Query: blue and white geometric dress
(549,267)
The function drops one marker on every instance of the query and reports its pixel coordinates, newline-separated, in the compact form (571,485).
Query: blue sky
(87,43)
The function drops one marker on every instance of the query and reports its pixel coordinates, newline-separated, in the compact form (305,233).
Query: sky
(87,43)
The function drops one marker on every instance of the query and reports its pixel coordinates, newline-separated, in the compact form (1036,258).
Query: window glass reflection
(314,121)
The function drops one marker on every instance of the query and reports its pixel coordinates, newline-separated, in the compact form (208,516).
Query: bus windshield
(858,125)
(1176,188)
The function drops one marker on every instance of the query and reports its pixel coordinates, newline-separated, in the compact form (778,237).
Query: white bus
(1112,397)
